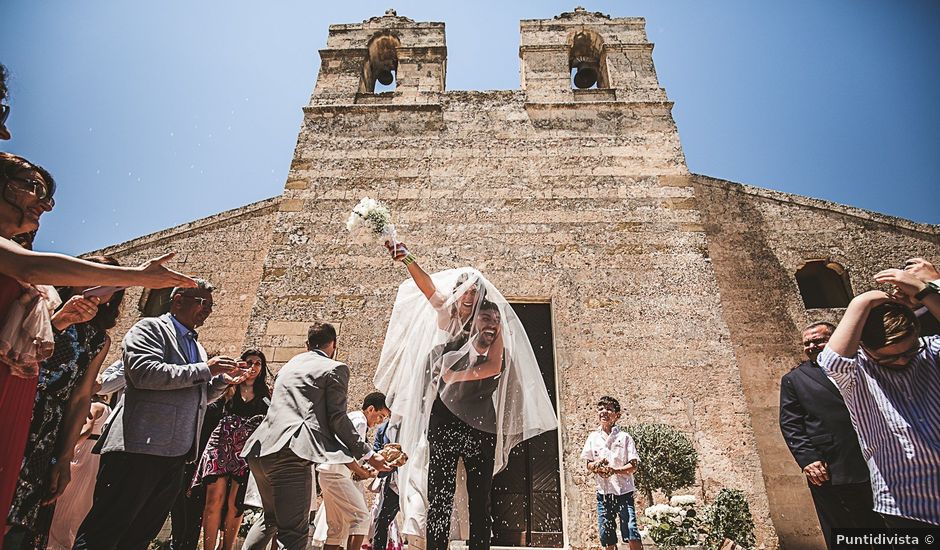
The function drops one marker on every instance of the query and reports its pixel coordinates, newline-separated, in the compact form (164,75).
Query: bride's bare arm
(421,278)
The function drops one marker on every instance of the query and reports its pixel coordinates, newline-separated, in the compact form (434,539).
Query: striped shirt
(896,412)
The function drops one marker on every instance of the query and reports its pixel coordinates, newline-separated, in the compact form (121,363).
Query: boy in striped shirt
(890,380)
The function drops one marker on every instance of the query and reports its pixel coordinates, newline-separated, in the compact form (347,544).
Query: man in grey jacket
(306,424)
(155,429)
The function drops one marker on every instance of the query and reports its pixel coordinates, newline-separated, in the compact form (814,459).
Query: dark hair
(826,324)
(889,324)
(260,384)
(10,164)
(319,335)
(376,400)
(4,91)
(109,312)
(487,305)
(610,402)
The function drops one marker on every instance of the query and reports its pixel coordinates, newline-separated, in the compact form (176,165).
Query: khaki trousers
(344,512)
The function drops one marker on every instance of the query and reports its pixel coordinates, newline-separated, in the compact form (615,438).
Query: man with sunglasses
(155,429)
(818,430)
(890,380)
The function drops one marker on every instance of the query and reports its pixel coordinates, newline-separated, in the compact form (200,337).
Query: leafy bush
(667,459)
(729,517)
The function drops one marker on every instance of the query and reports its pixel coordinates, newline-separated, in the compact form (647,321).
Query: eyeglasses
(204,303)
(888,359)
(35,187)
(4,113)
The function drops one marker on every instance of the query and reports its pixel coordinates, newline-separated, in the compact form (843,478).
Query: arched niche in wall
(824,284)
(586,61)
(380,72)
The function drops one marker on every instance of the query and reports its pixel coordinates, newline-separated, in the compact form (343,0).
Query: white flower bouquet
(674,524)
(372,217)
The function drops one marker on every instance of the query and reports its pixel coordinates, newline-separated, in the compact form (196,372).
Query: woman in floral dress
(221,470)
(63,399)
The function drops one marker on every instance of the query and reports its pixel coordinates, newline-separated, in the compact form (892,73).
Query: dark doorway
(526,497)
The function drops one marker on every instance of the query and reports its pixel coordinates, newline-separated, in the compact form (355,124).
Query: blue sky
(152,114)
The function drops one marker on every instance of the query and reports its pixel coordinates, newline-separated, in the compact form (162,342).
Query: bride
(458,368)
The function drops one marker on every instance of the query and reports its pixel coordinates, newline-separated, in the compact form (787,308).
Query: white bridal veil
(432,341)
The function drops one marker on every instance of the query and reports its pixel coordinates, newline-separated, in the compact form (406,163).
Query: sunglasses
(36,188)
(4,113)
(204,303)
(887,359)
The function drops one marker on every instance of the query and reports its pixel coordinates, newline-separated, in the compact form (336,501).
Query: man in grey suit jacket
(155,429)
(306,423)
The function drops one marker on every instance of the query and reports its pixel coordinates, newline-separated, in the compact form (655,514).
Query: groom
(306,423)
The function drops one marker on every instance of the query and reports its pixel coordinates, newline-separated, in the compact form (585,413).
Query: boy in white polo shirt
(611,456)
(343,520)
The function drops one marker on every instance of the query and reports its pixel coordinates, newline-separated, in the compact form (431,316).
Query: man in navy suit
(816,426)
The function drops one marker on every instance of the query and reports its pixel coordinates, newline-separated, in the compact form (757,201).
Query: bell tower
(388,60)
(587,56)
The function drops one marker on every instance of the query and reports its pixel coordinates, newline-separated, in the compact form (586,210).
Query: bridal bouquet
(372,216)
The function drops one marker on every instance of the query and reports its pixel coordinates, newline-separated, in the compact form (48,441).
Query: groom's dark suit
(816,426)
(463,426)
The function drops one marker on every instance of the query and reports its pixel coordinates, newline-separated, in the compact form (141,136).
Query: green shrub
(667,459)
(729,517)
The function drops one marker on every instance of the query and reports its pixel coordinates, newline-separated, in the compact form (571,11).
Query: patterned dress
(221,456)
(75,347)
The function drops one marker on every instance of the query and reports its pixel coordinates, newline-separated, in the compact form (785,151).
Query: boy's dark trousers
(390,507)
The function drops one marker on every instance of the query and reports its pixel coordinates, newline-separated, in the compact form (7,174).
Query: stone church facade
(682,295)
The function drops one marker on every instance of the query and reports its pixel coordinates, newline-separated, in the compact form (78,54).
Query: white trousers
(344,512)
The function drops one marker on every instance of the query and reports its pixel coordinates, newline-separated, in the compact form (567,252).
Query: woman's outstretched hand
(153,274)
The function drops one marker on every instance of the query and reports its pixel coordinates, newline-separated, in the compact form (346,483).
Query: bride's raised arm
(420,276)
(427,287)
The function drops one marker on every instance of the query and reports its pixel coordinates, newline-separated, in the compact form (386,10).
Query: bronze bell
(585,74)
(385,77)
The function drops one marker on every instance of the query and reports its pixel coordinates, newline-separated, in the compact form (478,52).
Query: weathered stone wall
(228,249)
(587,205)
(757,240)
(673,292)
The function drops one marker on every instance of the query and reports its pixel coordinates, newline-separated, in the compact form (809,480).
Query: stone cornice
(133,245)
(820,204)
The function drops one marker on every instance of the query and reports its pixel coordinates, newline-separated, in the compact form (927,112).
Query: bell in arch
(385,76)
(586,72)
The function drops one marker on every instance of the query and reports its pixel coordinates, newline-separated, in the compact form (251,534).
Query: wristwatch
(931,288)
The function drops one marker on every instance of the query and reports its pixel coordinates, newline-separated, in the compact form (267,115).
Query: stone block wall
(757,240)
(586,206)
(672,291)
(228,249)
